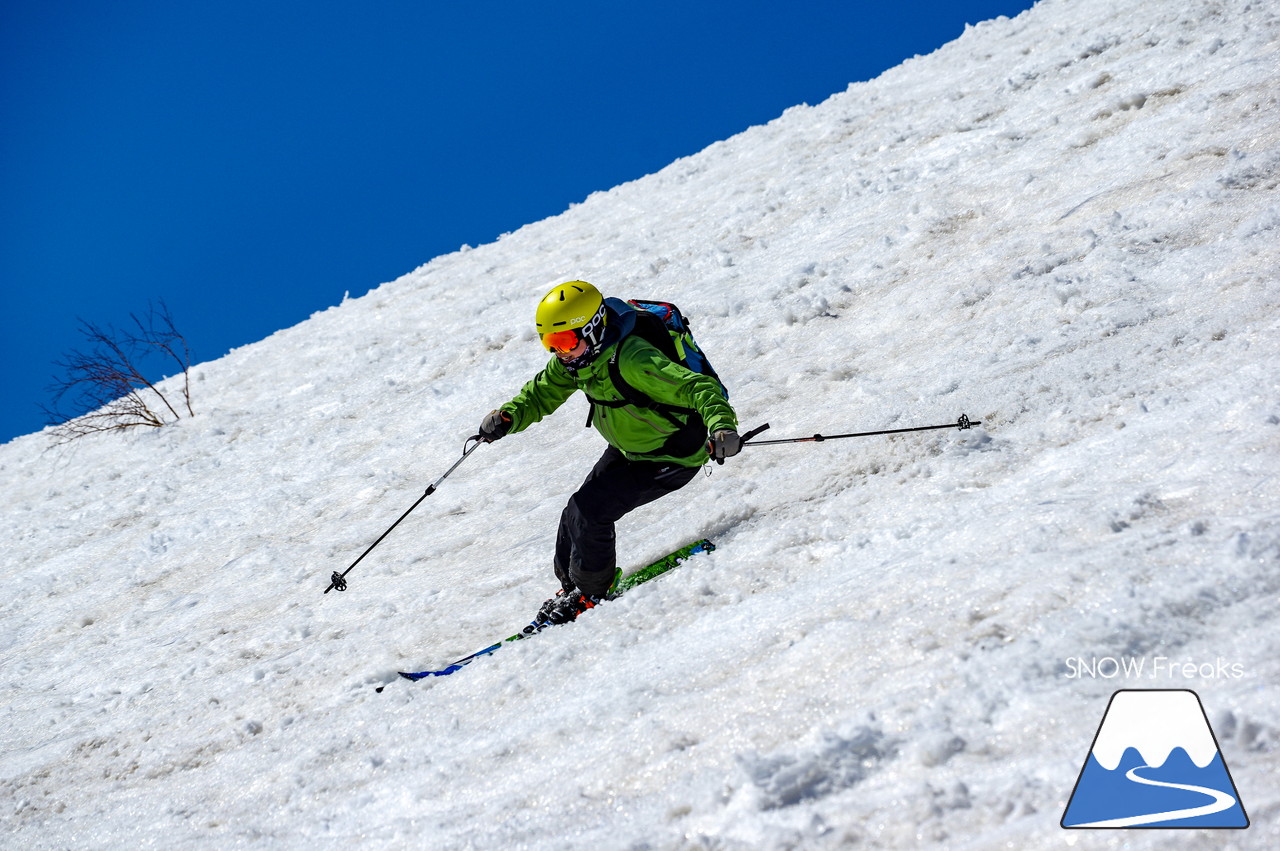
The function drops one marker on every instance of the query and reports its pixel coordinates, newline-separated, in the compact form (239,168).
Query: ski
(624,584)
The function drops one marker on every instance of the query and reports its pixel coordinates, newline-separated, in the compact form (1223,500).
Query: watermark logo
(1155,763)
(1161,668)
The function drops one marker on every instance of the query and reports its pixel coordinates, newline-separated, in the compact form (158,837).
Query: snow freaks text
(1150,668)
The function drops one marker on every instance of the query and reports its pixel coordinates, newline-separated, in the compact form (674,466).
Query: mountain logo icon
(1155,763)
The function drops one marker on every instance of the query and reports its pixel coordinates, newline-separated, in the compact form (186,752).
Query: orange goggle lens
(561,341)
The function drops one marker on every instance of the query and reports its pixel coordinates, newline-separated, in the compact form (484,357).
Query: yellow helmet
(570,314)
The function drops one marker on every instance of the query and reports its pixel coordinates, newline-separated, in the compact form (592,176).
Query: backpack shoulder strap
(631,396)
(640,399)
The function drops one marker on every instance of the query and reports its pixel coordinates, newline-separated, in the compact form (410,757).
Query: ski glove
(494,426)
(725,443)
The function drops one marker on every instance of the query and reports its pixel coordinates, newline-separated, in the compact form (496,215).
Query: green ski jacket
(641,434)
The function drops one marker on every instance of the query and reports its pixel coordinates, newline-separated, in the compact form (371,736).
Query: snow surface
(1064,225)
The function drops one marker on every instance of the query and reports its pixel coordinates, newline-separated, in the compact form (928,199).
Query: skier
(651,453)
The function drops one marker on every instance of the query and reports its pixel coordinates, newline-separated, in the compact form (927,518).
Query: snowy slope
(1064,225)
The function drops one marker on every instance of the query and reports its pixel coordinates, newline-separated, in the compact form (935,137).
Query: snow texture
(1064,225)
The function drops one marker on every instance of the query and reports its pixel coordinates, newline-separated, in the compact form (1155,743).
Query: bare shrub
(105,385)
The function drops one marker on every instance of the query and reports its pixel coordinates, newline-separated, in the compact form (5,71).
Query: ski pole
(963,423)
(339,580)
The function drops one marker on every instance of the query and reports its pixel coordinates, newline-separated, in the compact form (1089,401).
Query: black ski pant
(586,546)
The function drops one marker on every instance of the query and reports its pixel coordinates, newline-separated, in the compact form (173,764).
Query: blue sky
(249,163)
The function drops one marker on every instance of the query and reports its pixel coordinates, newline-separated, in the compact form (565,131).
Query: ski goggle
(562,341)
(567,340)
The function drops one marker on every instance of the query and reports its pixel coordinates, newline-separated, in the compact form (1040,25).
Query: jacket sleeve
(540,397)
(649,371)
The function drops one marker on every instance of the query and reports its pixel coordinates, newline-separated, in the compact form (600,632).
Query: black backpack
(662,325)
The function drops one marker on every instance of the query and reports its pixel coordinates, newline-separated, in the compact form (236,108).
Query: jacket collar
(620,321)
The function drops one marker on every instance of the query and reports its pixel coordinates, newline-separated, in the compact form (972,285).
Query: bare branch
(105,383)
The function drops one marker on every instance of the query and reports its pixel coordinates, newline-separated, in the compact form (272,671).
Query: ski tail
(461,663)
